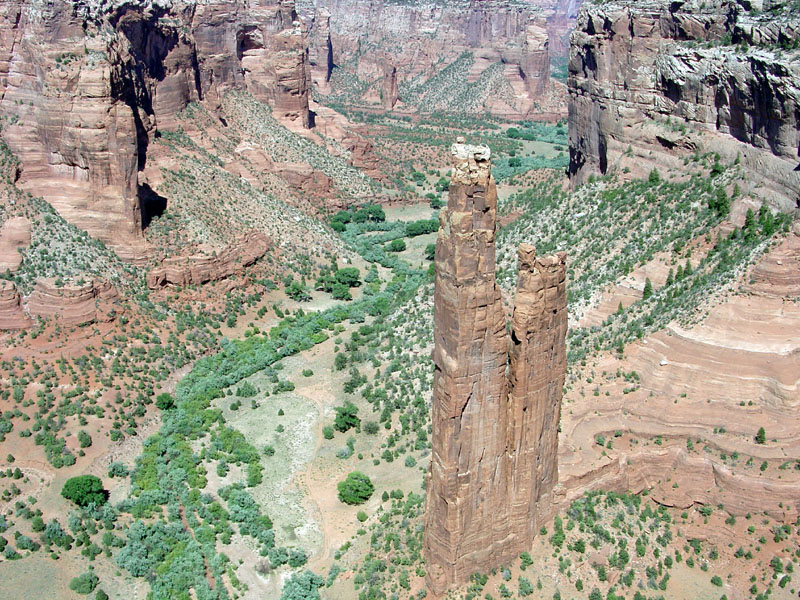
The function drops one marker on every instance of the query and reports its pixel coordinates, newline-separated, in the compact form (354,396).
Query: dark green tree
(165,401)
(357,488)
(84,490)
(430,251)
(397,245)
(346,417)
(648,289)
(761,436)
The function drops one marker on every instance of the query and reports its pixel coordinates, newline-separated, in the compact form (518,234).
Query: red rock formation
(419,40)
(536,380)
(15,234)
(198,269)
(74,303)
(86,84)
(303,177)
(641,96)
(493,452)
(12,316)
(389,92)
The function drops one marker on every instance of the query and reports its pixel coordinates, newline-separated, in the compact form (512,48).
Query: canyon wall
(494,445)
(653,82)
(500,47)
(84,86)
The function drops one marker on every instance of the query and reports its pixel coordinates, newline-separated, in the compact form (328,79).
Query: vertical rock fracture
(496,397)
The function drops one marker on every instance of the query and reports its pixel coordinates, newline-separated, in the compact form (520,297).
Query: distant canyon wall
(386,43)
(84,85)
(653,82)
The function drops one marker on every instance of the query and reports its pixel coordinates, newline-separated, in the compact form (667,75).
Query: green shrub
(397,245)
(84,490)
(302,586)
(84,439)
(357,488)
(165,401)
(84,584)
(246,390)
(346,417)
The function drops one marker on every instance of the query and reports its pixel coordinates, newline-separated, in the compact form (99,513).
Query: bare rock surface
(494,447)
(15,235)
(86,85)
(201,268)
(652,82)
(72,303)
(12,316)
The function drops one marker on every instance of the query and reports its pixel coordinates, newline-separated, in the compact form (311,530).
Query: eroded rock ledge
(201,268)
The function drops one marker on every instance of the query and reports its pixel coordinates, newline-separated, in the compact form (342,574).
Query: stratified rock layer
(12,316)
(507,46)
(72,304)
(195,270)
(652,82)
(15,236)
(86,85)
(494,437)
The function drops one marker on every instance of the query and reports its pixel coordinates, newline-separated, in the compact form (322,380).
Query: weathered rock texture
(651,82)
(194,270)
(86,84)
(74,303)
(11,314)
(15,235)
(501,47)
(494,459)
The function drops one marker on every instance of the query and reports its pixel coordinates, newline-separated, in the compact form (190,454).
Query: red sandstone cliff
(72,303)
(197,269)
(85,85)
(494,442)
(653,82)
(506,45)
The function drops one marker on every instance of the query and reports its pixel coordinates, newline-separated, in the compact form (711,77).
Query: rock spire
(496,397)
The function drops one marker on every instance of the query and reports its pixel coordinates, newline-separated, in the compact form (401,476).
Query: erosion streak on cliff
(493,454)
(651,83)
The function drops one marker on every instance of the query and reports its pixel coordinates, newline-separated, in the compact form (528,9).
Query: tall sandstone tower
(496,397)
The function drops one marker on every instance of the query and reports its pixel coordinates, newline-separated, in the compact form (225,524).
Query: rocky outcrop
(494,459)
(651,82)
(702,481)
(201,268)
(12,317)
(500,47)
(389,92)
(85,86)
(72,303)
(15,235)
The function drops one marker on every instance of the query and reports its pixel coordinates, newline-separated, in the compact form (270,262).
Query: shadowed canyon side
(494,447)
(85,87)
(652,83)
